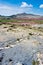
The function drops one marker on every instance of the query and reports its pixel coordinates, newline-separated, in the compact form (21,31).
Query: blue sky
(11,7)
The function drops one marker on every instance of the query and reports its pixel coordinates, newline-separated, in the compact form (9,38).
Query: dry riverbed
(20,44)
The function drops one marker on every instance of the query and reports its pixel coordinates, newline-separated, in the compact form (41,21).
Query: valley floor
(21,44)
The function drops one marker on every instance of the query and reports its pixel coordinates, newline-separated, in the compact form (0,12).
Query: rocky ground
(20,45)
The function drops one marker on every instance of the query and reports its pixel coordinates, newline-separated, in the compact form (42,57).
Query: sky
(12,7)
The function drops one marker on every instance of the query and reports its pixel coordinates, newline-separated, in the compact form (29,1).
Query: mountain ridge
(22,16)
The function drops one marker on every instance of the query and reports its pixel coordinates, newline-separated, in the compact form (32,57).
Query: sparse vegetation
(1,58)
(5,27)
(18,39)
(16,20)
(35,62)
(30,34)
(10,60)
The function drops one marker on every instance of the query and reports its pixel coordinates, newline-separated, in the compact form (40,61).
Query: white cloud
(9,10)
(24,4)
(30,5)
(4,7)
(41,6)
